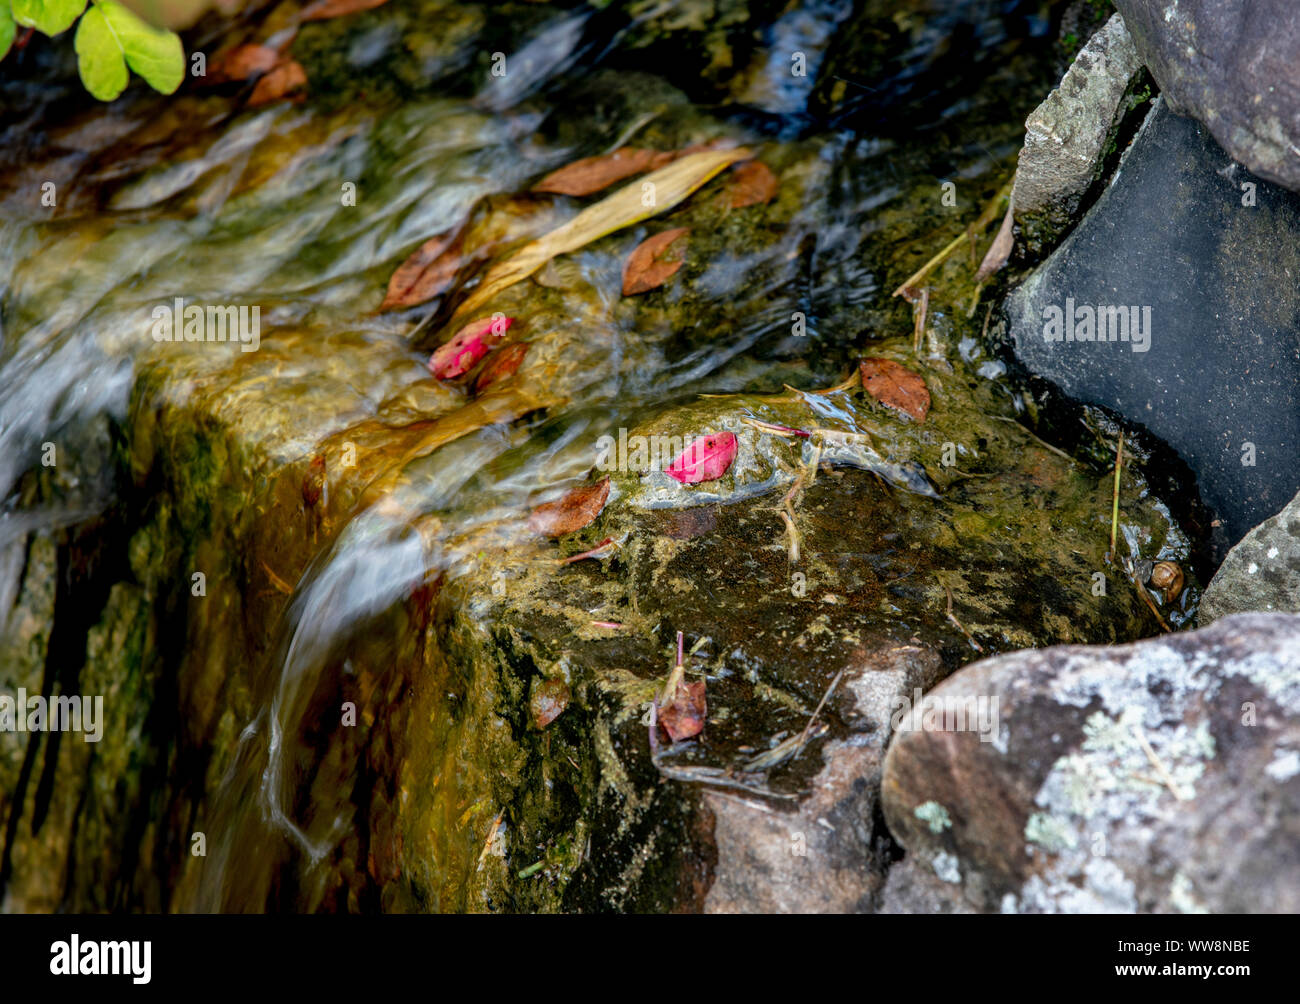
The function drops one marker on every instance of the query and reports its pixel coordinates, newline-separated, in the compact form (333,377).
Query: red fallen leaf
(706,459)
(591,174)
(646,267)
(548,700)
(896,386)
(323,9)
(242,62)
(500,365)
(282,81)
(468,346)
(576,510)
(426,273)
(751,183)
(684,715)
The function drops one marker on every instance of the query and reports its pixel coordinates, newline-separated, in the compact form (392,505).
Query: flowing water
(304,576)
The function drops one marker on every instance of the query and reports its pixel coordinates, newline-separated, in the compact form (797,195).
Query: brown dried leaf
(425,274)
(323,9)
(282,81)
(1000,250)
(684,715)
(576,510)
(752,184)
(648,266)
(242,62)
(896,386)
(548,700)
(591,174)
(500,365)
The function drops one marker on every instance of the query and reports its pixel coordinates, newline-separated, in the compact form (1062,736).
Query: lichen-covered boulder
(1070,136)
(1231,65)
(1159,776)
(1261,573)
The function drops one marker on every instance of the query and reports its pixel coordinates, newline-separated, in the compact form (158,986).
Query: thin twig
(1038,439)
(953,617)
(919,310)
(1114,504)
(1158,764)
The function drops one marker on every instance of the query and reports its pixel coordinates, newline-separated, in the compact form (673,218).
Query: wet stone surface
(1186,238)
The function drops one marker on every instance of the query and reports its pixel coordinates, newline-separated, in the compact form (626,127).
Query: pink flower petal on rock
(706,459)
(470,344)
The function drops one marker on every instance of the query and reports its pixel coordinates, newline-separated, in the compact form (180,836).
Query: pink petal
(706,459)
(470,344)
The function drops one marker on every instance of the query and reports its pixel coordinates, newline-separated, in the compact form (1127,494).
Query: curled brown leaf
(241,63)
(427,272)
(499,365)
(1000,250)
(651,263)
(281,82)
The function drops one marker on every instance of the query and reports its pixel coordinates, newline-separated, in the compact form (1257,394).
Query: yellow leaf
(671,186)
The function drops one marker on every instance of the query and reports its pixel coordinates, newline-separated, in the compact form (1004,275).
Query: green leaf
(47,16)
(99,57)
(154,53)
(7,29)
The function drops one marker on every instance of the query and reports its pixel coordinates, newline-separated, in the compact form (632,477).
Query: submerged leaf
(547,702)
(468,346)
(896,386)
(591,174)
(706,459)
(649,265)
(577,509)
(500,365)
(751,183)
(684,715)
(425,274)
(282,81)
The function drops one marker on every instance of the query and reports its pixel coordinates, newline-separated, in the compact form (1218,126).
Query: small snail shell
(1168,578)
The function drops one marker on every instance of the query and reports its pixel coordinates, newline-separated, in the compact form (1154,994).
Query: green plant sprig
(109,39)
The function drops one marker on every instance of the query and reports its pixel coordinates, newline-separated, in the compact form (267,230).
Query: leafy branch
(109,39)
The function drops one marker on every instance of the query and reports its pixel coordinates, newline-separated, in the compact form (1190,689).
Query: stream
(342,670)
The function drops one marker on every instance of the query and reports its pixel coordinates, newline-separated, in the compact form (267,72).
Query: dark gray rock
(1261,573)
(1068,135)
(1161,776)
(1231,64)
(1205,259)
